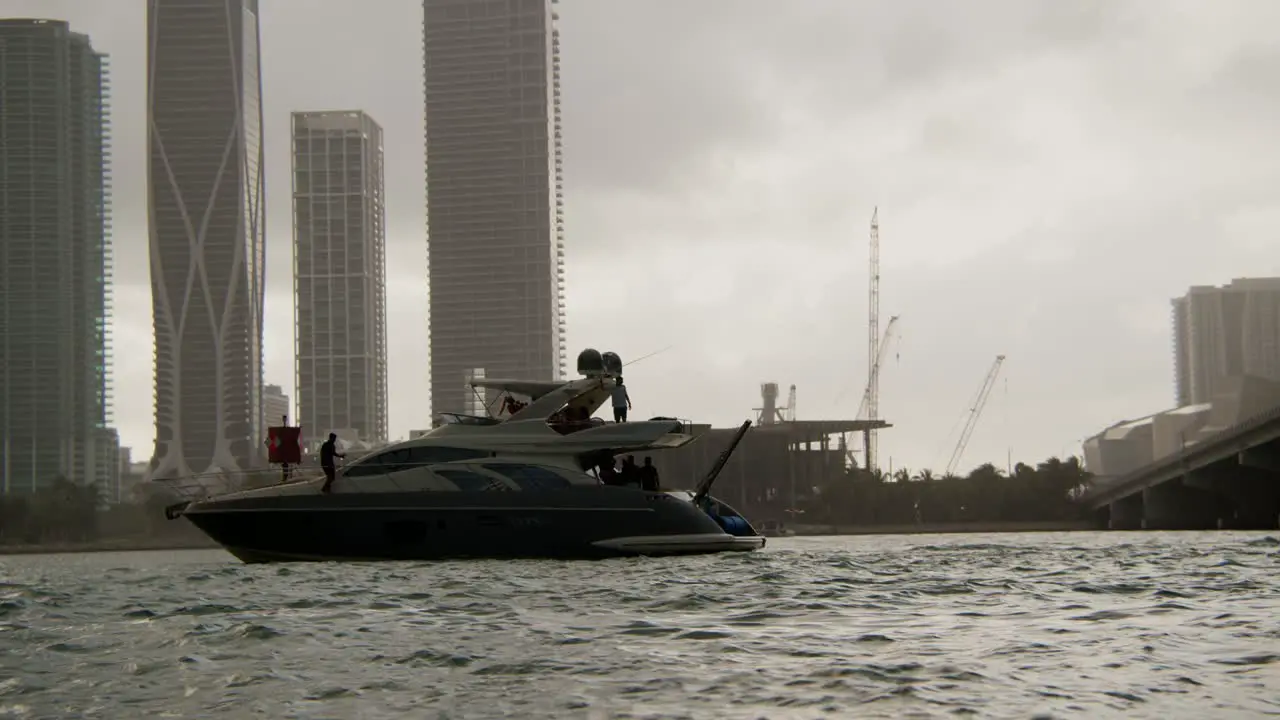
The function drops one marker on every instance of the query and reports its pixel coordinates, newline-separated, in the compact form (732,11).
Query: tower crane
(872,397)
(879,360)
(975,411)
(863,408)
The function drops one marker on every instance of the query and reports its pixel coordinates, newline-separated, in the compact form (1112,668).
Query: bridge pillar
(1263,457)
(1174,506)
(1126,513)
(1250,496)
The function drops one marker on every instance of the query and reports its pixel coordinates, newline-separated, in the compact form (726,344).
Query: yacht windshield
(570,419)
(460,419)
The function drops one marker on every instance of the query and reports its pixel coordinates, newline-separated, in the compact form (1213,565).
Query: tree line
(1046,492)
(64,512)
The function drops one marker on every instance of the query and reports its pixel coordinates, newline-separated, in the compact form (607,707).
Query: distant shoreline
(113,545)
(803,530)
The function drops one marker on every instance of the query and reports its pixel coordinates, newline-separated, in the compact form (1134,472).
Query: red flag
(284,445)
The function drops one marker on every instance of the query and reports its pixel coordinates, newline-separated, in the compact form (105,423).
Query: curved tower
(206,212)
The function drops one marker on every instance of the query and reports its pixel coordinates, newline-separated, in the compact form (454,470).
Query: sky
(1048,175)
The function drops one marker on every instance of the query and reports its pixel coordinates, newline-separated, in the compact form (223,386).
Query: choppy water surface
(1090,625)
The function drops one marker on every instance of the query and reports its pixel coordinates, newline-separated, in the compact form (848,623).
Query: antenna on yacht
(704,486)
(644,357)
(488,410)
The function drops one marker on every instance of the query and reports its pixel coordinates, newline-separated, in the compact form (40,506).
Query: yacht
(524,482)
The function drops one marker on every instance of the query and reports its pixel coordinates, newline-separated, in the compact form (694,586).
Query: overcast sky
(1048,174)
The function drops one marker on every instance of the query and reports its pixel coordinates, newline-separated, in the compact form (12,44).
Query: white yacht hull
(681,544)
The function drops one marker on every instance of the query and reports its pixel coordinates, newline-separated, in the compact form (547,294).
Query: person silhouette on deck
(648,475)
(608,472)
(328,451)
(630,471)
(621,402)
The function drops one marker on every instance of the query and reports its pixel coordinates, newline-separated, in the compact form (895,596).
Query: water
(1054,625)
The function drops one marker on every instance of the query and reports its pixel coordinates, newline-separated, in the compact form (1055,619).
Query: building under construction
(779,461)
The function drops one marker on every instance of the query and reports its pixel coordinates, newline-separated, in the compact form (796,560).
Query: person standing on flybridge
(621,402)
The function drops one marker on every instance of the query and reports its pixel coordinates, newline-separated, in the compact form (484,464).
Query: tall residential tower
(275,405)
(339,234)
(1226,331)
(494,205)
(54,266)
(204,117)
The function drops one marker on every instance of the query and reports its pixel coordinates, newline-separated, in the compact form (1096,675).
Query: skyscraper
(339,233)
(1225,331)
(494,203)
(207,218)
(53,256)
(275,405)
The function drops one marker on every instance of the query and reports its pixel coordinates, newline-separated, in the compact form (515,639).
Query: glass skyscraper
(494,202)
(54,257)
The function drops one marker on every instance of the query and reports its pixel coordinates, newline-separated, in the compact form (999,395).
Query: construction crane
(975,411)
(879,359)
(872,397)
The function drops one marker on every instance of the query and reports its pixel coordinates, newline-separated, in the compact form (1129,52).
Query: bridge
(1228,480)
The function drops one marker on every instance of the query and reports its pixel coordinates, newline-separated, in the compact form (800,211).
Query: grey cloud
(735,70)
(1247,83)
(652,96)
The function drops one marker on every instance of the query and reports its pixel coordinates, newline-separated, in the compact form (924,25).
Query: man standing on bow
(328,451)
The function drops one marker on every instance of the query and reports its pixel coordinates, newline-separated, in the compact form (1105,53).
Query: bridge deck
(1225,445)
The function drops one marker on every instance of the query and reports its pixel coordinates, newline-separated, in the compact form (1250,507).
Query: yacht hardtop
(554,426)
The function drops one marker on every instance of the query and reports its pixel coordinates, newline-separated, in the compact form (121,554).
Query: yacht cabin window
(531,477)
(467,480)
(406,458)
(461,419)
